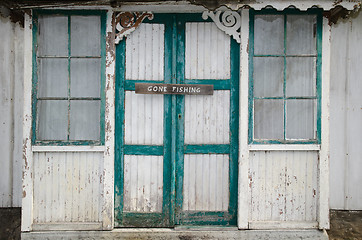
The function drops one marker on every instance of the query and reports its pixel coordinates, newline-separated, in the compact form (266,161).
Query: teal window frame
(319,24)
(69,13)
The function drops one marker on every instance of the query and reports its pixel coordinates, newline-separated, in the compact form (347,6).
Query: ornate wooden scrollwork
(127,22)
(227,21)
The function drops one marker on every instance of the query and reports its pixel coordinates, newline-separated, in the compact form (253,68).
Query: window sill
(68,148)
(284,147)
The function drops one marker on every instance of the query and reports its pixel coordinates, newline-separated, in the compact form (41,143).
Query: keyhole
(179,116)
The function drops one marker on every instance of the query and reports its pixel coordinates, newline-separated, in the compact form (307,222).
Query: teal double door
(176,155)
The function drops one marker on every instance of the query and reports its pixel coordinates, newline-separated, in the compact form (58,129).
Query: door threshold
(205,228)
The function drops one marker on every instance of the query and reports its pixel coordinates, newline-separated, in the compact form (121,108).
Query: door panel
(207,118)
(207,52)
(206,182)
(145,53)
(143,119)
(143,183)
(176,156)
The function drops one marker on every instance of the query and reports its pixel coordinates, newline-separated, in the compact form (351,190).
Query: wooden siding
(206,182)
(143,119)
(11,112)
(145,53)
(283,185)
(67,187)
(207,52)
(207,118)
(143,183)
(346,115)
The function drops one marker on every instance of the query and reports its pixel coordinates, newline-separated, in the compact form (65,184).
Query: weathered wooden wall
(283,186)
(346,114)
(346,160)
(67,187)
(11,112)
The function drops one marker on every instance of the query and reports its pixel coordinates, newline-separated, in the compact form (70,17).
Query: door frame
(173,147)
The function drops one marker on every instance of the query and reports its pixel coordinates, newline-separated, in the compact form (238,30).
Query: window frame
(35,74)
(319,25)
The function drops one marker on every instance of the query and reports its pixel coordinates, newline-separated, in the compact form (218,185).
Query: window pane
(85,35)
(268,119)
(268,76)
(301,119)
(52,120)
(301,77)
(301,34)
(53,35)
(85,77)
(84,120)
(269,34)
(53,77)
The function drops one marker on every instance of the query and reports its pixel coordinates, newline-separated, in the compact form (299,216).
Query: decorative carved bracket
(229,22)
(127,22)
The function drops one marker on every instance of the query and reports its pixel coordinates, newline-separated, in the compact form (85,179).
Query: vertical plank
(6,112)
(244,191)
(55,182)
(36,178)
(159,184)
(205,182)
(27,192)
(107,210)
(198,188)
(340,61)
(212,182)
(290,213)
(61,165)
(262,190)
(323,214)
(134,167)
(153,185)
(83,172)
(18,114)
(186,183)
(48,162)
(192,181)
(225,200)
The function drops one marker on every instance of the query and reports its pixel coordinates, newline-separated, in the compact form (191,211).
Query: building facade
(251,152)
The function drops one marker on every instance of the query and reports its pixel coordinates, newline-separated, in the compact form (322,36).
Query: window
(285,73)
(68,77)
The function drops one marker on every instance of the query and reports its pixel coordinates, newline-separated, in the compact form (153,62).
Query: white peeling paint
(11,112)
(346,114)
(67,187)
(283,186)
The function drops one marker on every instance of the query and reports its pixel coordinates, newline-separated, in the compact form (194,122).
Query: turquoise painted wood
(174,148)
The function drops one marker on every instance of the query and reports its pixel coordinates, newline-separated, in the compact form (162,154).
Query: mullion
(285,78)
(71,98)
(66,57)
(285,55)
(69,62)
(285,98)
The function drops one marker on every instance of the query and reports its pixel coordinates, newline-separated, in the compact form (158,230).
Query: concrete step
(182,234)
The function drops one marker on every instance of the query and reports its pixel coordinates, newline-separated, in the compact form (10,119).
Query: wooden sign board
(181,89)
